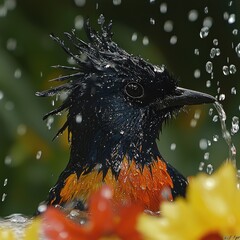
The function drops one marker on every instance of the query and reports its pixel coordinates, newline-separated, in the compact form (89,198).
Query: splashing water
(17,223)
(225,133)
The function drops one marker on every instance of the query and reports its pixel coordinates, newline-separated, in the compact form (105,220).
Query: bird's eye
(134,90)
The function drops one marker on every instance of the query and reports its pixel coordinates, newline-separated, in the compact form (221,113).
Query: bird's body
(132,185)
(116,106)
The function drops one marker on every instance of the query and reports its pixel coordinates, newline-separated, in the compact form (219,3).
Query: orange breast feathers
(148,186)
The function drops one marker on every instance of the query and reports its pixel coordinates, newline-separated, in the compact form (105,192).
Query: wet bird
(116,104)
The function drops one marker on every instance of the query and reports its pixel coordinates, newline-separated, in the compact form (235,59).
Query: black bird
(117,104)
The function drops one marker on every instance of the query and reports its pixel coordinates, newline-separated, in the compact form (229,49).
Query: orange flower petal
(126,228)
(103,221)
(57,227)
(102,217)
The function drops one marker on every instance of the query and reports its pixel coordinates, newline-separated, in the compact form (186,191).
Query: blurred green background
(165,32)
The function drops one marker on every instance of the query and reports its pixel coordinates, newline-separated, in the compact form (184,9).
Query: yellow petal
(6,234)
(212,205)
(33,230)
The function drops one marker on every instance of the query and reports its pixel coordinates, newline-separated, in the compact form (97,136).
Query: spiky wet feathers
(109,115)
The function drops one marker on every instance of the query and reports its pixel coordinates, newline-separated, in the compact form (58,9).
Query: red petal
(126,228)
(102,217)
(57,227)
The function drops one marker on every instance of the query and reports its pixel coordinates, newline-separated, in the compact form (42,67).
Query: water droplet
(210,112)
(235,125)
(215,138)
(206,10)
(42,208)
(215,42)
(173,40)
(74,214)
(163,7)
(237,49)
(204,32)
(196,51)
(208,83)
(11,44)
(63,96)
(9,106)
(232,69)
(1,95)
(5,182)
(134,37)
(71,61)
(8,160)
(39,154)
(211,75)
(193,15)
(152,21)
(117,2)
(197,114)
(225,70)
(206,156)
(4,197)
(17,218)
(122,132)
(209,169)
(50,121)
(152,1)
(80,3)
(145,40)
(233,91)
(218,52)
(222,97)
(233,152)
(173,146)
(203,144)
(207,22)
(168,26)
(201,166)
(225,133)
(235,32)
(166,193)
(159,69)
(79,118)
(197,73)
(232,18)
(212,52)
(193,123)
(10,4)
(215,118)
(238,177)
(3,11)
(79,22)
(209,67)
(225,15)
(18,73)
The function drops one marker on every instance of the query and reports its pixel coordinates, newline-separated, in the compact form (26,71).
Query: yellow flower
(6,234)
(31,232)
(210,211)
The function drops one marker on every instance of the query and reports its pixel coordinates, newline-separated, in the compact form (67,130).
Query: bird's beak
(183,97)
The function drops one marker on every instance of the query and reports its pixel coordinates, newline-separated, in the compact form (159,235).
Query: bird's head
(116,102)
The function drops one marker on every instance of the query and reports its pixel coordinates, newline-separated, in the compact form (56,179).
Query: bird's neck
(93,146)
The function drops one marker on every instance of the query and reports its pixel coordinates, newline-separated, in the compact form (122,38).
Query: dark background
(27,52)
